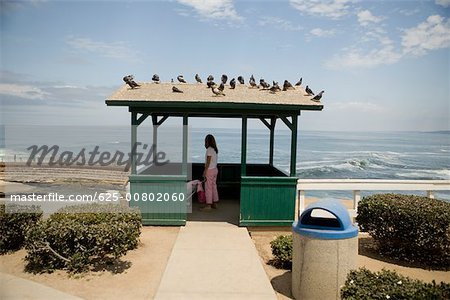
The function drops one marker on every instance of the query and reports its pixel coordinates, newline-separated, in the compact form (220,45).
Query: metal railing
(358,185)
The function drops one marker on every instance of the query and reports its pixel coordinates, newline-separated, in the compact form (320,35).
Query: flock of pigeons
(218,90)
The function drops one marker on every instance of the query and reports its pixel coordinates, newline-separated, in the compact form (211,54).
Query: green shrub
(282,251)
(363,284)
(14,221)
(409,228)
(79,237)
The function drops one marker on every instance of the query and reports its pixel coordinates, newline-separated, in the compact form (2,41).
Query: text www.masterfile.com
(98,197)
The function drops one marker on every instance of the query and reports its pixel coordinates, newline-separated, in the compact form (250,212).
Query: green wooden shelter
(267,195)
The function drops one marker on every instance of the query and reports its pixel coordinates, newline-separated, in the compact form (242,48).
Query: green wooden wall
(267,201)
(159,186)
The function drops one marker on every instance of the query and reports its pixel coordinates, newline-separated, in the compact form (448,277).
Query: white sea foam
(441,174)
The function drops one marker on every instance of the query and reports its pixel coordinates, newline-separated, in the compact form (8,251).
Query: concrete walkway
(214,260)
(12,287)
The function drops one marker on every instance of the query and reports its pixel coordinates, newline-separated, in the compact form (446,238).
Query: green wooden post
(272,136)
(244,146)
(155,137)
(294,146)
(134,126)
(185,144)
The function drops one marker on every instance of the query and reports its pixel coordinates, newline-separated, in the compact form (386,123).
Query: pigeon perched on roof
(252,82)
(309,91)
(275,87)
(210,78)
(264,84)
(129,79)
(217,92)
(224,79)
(181,79)
(210,84)
(198,79)
(241,80)
(233,84)
(155,78)
(287,86)
(299,83)
(176,90)
(317,97)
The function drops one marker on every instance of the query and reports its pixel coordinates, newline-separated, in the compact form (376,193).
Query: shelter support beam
(272,139)
(271,127)
(162,120)
(244,146)
(156,123)
(134,125)
(141,119)
(286,121)
(185,145)
(293,172)
(265,122)
(155,138)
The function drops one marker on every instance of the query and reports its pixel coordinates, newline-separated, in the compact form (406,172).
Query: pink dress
(212,196)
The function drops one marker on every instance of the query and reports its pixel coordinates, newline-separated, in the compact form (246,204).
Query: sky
(384,65)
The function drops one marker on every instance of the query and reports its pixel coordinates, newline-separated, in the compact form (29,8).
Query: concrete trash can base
(325,249)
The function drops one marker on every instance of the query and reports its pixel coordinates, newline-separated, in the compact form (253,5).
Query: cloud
(444,3)
(383,52)
(19,90)
(213,9)
(409,12)
(374,48)
(23,91)
(432,34)
(116,50)
(279,23)
(365,17)
(333,9)
(358,58)
(7,76)
(322,32)
(11,5)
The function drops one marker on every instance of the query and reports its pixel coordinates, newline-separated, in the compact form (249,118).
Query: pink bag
(201,196)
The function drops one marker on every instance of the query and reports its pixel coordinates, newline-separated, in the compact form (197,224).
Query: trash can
(325,249)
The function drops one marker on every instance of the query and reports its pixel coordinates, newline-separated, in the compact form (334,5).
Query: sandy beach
(20,179)
(20,172)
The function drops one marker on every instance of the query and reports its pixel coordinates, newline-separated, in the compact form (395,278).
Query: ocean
(320,154)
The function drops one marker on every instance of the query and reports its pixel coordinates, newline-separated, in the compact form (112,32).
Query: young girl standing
(210,172)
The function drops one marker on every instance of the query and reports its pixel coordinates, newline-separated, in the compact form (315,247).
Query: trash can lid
(325,220)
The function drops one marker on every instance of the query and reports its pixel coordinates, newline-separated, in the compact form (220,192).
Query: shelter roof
(149,94)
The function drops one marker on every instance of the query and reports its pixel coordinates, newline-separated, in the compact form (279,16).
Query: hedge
(408,228)
(363,284)
(282,251)
(78,237)
(15,219)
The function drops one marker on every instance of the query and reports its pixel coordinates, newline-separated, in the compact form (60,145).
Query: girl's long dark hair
(210,141)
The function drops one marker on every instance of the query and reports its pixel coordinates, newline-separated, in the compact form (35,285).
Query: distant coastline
(438,132)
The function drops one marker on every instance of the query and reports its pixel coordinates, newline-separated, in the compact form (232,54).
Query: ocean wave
(364,162)
(345,169)
(425,174)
